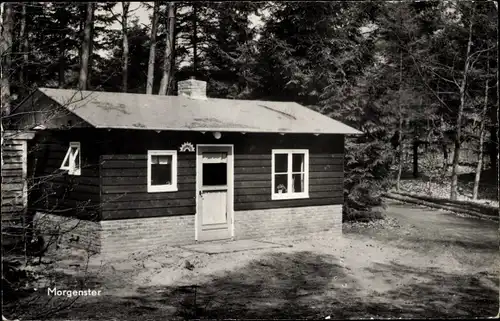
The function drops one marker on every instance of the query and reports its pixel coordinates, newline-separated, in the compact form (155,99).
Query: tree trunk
(444,146)
(152,49)
(23,36)
(81,26)
(62,50)
(125,7)
(195,38)
(458,208)
(62,61)
(86,48)
(458,129)
(415,159)
(167,60)
(400,157)
(479,165)
(444,149)
(91,51)
(400,129)
(62,65)
(493,148)
(6,56)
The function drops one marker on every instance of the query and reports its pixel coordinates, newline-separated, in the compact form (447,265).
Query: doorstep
(228,246)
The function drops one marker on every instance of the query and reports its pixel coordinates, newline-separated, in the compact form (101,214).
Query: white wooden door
(214,179)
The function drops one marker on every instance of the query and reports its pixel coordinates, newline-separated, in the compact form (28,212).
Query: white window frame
(70,159)
(288,195)
(163,188)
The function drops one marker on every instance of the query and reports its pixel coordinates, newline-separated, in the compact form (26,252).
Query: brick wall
(131,235)
(69,231)
(108,237)
(146,233)
(284,221)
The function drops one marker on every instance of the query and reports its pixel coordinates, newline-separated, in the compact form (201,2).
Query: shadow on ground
(434,293)
(299,285)
(35,304)
(278,285)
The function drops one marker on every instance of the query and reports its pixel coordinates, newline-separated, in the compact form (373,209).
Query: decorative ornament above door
(187,147)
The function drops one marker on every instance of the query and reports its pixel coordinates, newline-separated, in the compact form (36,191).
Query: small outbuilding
(120,171)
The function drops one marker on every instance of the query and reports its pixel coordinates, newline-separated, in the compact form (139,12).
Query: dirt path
(431,265)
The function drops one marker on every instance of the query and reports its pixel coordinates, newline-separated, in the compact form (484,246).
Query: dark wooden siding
(13,180)
(53,190)
(124,171)
(124,187)
(252,170)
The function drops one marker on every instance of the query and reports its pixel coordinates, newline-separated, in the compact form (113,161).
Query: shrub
(367,177)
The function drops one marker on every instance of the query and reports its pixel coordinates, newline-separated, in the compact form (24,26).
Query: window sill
(161,189)
(69,173)
(289,196)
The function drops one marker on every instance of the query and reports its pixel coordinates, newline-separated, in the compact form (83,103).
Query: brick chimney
(192,88)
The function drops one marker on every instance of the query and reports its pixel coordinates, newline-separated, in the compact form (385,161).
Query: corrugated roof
(154,112)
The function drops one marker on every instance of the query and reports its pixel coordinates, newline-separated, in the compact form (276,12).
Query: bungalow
(121,171)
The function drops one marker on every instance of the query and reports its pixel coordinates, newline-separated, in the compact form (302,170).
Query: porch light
(217,135)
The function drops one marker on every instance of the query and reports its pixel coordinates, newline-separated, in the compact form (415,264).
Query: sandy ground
(419,263)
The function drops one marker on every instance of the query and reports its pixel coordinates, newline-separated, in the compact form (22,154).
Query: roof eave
(232,130)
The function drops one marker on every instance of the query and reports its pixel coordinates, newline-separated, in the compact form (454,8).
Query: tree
(195,37)
(124,23)
(447,67)
(400,123)
(168,58)
(5,55)
(66,39)
(400,27)
(463,96)
(310,51)
(230,51)
(395,22)
(223,49)
(86,47)
(23,36)
(139,49)
(122,19)
(47,41)
(495,133)
(482,121)
(152,48)
(461,39)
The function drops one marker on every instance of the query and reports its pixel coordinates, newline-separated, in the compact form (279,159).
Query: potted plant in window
(281,189)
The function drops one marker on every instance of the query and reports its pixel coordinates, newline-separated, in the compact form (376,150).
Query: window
(72,160)
(162,171)
(290,170)
(214,169)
